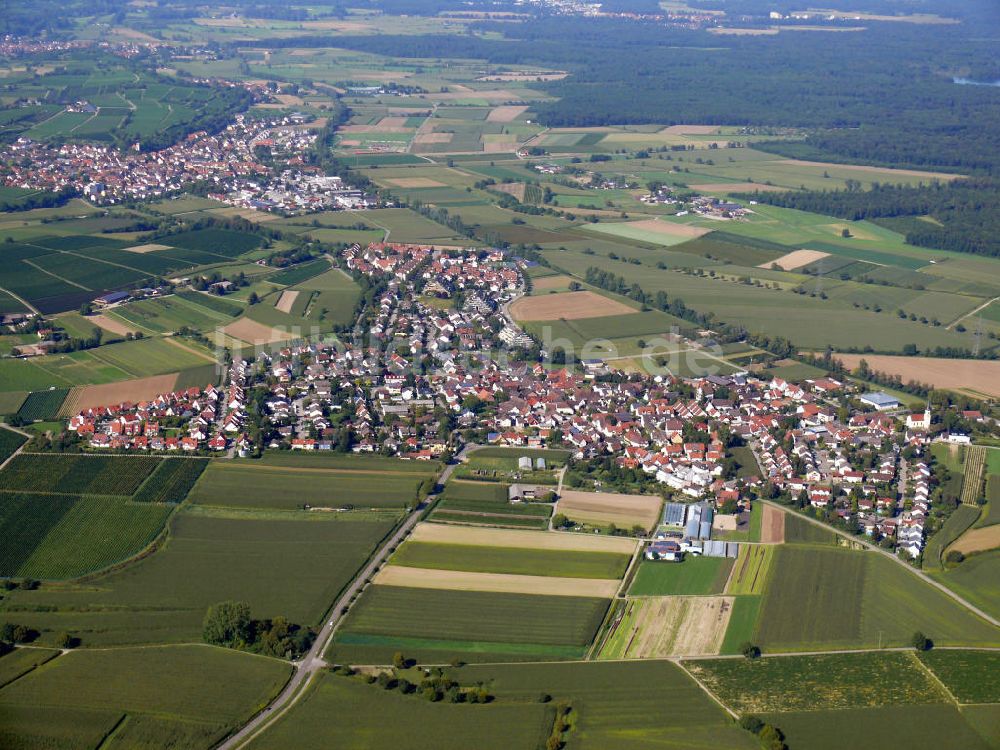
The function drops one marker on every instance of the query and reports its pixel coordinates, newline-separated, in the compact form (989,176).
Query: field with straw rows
(76,474)
(749,575)
(975,464)
(799,683)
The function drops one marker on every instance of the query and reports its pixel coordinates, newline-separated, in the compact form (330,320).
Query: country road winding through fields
(313,661)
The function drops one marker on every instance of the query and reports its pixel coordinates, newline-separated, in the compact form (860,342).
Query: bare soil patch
(285,301)
(391,125)
(772,528)
(110,324)
(978,540)
(497,95)
(415,182)
(567,306)
(457,580)
(607,507)
(506,113)
(255,333)
(147,248)
(795,259)
(670,229)
(550,282)
(679,626)
(499,147)
(486,537)
(982,376)
(524,77)
(111,394)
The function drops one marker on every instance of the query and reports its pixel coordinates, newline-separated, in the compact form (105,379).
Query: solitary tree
(920,641)
(227,624)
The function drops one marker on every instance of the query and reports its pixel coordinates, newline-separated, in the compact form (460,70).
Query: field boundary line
(927,670)
(680,663)
(54,276)
(21,300)
(960,318)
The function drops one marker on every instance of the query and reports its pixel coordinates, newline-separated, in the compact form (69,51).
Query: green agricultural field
(750,573)
(346,713)
(833,681)
(826,598)
(63,536)
(216,304)
(970,676)
(171,481)
(407,226)
(223,242)
(360,462)
(10,441)
(800,531)
(506,458)
(20,661)
(977,579)
(620,705)
(67,474)
(696,575)
(207,559)
(935,725)
(168,314)
(250,485)
(961,520)
(10,401)
(486,502)
(42,405)
(742,624)
(184,696)
(511,560)
(438,625)
(502,520)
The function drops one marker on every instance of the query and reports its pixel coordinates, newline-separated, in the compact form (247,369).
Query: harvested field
(507,113)
(605,507)
(255,333)
(524,77)
(669,229)
(109,394)
(457,580)
(550,282)
(568,306)
(772,528)
(433,532)
(978,540)
(978,375)
(110,324)
(433,138)
(415,182)
(285,301)
(795,259)
(457,92)
(737,187)
(655,628)
(147,248)
(499,147)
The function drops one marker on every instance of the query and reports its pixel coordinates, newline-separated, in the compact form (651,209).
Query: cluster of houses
(229,161)
(189,420)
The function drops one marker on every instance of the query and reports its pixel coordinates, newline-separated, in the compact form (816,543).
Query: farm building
(698,521)
(668,551)
(880,401)
(673,514)
(517,493)
(111,298)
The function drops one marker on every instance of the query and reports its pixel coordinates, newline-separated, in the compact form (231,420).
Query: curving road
(313,661)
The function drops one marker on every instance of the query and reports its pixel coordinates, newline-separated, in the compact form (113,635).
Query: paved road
(874,548)
(313,661)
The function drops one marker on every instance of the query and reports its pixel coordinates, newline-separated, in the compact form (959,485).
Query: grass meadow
(827,598)
(207,559)
(438,625)
(182,696)
(696,575)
